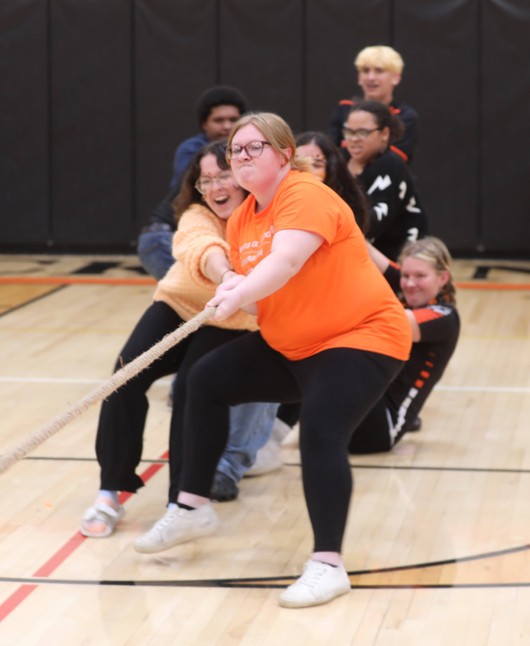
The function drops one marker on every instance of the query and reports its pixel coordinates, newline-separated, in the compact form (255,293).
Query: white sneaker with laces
(318,584)
(177,526)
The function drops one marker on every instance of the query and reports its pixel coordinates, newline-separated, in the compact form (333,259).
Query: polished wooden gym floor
(438,538)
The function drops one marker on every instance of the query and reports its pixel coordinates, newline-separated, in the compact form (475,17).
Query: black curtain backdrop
(96,95)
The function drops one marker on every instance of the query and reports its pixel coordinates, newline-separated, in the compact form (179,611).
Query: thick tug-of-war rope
(119,378)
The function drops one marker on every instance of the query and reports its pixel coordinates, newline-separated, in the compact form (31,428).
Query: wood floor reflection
(438,538)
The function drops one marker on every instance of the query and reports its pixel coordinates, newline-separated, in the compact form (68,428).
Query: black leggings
(289,414)
(122,417)
(379,431)
(336,388)
(373,433)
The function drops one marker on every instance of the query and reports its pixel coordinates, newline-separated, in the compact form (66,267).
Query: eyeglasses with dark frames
(252,149)
(361,133)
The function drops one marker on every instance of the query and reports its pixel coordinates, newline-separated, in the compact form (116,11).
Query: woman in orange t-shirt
(332,336)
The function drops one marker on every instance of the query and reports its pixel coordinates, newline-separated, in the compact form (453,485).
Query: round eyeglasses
(361,133)
(205,183)
(252,149)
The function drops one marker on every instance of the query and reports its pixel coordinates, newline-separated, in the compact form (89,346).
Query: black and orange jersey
(439,325)
(396,213)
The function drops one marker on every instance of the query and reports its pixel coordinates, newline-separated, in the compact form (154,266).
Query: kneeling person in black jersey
(423,280)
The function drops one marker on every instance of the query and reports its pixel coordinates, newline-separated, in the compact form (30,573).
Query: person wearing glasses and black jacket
(396,213)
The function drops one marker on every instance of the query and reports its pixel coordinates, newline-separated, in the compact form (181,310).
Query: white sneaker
(269,457)
(177,526)
(318,584)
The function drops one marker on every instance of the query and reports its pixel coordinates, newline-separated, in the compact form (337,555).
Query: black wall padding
(91,122)
(175,59)
(96,95)
(505,125)
(261,53)
(24,181)
(335,31)
(439,43)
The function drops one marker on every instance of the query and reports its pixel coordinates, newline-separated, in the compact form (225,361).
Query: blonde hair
(276,131)
(433,251)
(380,56)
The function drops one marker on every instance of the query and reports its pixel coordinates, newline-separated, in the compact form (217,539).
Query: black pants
(379,432)
(373,435)
(119,439)
(336,388)
(289,414)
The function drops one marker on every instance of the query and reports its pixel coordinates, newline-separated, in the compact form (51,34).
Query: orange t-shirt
(338,299)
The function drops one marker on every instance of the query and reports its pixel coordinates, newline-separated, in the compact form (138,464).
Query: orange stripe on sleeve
(424,314)
(399,152)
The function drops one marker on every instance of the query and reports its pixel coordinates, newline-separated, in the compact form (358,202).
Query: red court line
(60,556)
(93,280)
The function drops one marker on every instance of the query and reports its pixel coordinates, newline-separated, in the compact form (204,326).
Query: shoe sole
(286,603)
(199,533)
(110,525)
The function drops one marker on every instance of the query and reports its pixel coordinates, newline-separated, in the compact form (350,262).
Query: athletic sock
(113,495)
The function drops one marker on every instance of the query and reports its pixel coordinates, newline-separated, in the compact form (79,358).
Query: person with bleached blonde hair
(380,56)
(379,70)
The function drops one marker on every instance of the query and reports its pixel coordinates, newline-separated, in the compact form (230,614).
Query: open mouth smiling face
(219,189)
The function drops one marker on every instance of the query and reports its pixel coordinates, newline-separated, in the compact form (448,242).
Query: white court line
(165,382)
(484,389)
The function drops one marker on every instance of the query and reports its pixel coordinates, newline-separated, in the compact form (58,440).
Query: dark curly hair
(216,96)
(383,117)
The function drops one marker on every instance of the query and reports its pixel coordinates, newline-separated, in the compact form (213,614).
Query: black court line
(30,301)
(481,271)
(380,467)
(98,268)
(248,586)
(282,581)
(70,459)
(434,468)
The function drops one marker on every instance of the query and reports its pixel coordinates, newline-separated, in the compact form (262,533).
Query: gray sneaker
(318,584)
(177,526)
(223,488)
